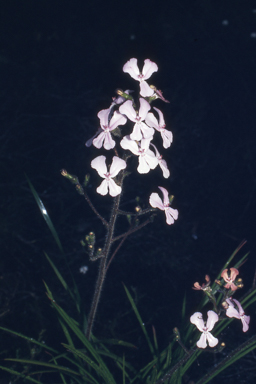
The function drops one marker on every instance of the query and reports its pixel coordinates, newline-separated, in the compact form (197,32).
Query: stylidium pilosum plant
(126,131)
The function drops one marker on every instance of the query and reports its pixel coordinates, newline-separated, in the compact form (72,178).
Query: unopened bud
(86,179)
(79,189)
(171,198)
(70,177)
(137,209)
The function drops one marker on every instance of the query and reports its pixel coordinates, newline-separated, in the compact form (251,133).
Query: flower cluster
(137,141)
(232,307)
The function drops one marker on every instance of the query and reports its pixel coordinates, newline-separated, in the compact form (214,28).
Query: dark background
(60,63)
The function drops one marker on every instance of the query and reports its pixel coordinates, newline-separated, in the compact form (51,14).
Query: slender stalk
(103,263)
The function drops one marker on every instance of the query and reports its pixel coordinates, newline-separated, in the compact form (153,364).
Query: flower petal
(166,196)
(117,119)
(127,143)
(103,188)
(109,143)
(128,110)
(197,319)
(155,201)
(114,189)
(131,67)
(212,341)
(99,163)
(171,215)
(144,108)
(116,166)
(202,341)
(149,68)
(144,166)
(212,319)
(145,89)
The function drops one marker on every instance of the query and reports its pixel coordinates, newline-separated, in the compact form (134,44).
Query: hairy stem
(103,263)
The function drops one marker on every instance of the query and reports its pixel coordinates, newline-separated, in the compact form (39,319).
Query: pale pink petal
(131,67)
(163,166)
(245,321)
(202,341)
(167,138)
(114,189)
(166,196)
(116,166)
(171,215)
(161,118)
(145,145)
(127,143)
(197,319)
(232,312)
(213,341)
(155,201)
(109,143)
(128,110)
(212,319)
(224,274)
(149,68)
(152,121)
(144,108)
(98,141)
(143,165)
(145,89)
(136,132)
(147,131)
(151,159)
(103,188)
(99,163)
(233,273)
(103,116)
(117,119)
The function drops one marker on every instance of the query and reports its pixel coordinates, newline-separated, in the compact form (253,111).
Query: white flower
(160,126)
(147,159)
(238,314)
(104,138)
(197,319)
(140,129)
(156,202)
(108,184)
(150,67)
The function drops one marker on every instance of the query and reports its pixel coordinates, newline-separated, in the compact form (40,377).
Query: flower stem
(103,262)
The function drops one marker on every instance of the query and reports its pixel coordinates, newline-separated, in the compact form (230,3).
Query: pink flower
(160,126)
(140,129)
(197,319)
(238,314)
(156,202)
(104,138)
(229,279)
(147,159)
(131,67)
(99,163)
(162,163)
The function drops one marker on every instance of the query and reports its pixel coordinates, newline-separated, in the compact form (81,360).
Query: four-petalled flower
(107,126)
(147,159)
(140,129)
(150,67)
(230,278)
(238,314)
(205,328)
(160,126)
(108,184)
(156,202)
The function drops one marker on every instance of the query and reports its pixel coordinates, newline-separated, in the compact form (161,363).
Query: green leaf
(45,215)
(20,374)
(140,321)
